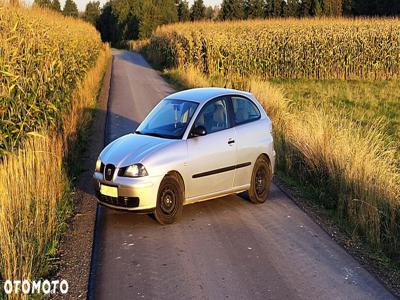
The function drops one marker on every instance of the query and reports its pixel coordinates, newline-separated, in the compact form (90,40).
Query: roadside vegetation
(51,69)
(335,135)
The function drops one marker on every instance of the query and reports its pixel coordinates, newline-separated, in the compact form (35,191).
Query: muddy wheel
(260,180)
(169,200)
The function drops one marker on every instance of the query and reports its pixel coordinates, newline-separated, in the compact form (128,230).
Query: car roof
(201,95)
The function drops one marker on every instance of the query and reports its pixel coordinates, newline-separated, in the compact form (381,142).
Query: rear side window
(245,110)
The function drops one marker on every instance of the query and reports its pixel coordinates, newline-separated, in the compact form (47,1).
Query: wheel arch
(265,155)
(178,175)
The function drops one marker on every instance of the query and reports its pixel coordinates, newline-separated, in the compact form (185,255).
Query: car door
(212,157)
(249,136)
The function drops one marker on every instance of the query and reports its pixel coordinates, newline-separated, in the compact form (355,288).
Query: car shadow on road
(196,211)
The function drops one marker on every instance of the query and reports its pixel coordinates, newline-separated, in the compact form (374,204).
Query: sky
(82,3)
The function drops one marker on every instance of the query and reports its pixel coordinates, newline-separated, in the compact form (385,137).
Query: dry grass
(34,191)
(30,194)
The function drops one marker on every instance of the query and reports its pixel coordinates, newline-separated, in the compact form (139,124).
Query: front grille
(120,201)
(109,172)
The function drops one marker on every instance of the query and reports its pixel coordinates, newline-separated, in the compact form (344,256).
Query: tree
(292,8)
(55,5)
(337,7)
(92,12)
(108,26)
(253,9)
(283,8)
(166,11)
(347,9)
(273,8)
(232,10)
(122,20)
(316,8)
(42,3)
(147,20)
(331,7)
(212,12)
(183,11)
(197,11)
(372,7)
(70,8)
(152,14)
(305,8)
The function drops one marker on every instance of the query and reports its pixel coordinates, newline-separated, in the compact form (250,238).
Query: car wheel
(169,200)
(260,180)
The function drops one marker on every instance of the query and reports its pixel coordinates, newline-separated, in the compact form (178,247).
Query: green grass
(366,102)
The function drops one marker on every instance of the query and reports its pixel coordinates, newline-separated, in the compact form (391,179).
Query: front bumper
(134,194)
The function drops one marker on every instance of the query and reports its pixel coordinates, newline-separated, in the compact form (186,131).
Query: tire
(169,200)
(261,179)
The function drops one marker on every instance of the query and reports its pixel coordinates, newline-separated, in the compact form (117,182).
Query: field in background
(284,48)
(51,69)
(334,136)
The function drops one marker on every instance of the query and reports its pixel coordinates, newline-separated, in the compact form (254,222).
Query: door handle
(230,142)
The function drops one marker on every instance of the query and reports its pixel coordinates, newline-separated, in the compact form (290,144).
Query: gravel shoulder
(75,249)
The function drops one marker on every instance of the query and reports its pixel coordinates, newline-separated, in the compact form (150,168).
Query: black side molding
(221,170)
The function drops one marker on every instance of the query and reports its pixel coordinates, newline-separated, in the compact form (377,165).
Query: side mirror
(198,131)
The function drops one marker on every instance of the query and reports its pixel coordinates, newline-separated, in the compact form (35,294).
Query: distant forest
(121,20)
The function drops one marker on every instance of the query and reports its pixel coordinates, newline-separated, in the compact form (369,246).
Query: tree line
(121,20)
(248,9)
(91,13)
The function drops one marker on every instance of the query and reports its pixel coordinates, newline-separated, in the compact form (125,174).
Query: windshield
(169,119)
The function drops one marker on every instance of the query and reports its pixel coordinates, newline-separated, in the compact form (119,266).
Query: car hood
(131,148)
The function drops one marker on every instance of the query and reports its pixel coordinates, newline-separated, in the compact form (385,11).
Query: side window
(214,116)
(244,110)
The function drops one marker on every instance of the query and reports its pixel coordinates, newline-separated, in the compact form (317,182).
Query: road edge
(105,104)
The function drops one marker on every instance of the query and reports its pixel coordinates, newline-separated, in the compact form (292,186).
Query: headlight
(98,165)
(136,170)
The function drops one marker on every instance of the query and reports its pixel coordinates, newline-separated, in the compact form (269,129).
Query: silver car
(194,145)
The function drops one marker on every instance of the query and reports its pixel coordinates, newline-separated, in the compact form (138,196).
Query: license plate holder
(110,191)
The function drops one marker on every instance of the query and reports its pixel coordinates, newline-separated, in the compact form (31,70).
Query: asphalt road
(226,248)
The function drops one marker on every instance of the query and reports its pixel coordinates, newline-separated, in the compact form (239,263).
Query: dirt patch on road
(76,245)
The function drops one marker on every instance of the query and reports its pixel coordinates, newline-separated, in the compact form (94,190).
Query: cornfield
(42,57)
(51,68)
(290,48)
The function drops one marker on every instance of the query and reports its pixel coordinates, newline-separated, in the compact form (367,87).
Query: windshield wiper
(151,134)
(154,134)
